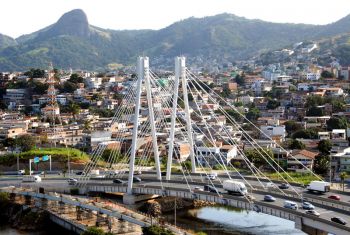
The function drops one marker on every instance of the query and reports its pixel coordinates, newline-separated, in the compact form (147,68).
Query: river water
(228,221)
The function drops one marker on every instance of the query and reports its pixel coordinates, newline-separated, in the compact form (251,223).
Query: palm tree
(87,126)
(74,109)
(343,175)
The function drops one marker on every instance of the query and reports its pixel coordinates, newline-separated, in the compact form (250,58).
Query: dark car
(210,188)
(136,179)
(269,198)
(338,220)
(334,197)
(118,181)
(80,173)
(163,173)
(283,186)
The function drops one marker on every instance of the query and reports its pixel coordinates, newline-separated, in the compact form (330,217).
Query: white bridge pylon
(143,75)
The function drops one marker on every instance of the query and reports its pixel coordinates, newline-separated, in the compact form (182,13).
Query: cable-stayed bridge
(180,123)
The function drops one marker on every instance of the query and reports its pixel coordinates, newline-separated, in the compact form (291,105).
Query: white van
(290,205)
(31,178)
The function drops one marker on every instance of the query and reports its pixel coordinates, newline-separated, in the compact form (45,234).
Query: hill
(73,42)
(6,41)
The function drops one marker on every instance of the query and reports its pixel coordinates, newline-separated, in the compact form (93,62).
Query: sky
(19,17)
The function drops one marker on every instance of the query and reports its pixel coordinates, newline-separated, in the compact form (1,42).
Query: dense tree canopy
(337,123)
(324,146)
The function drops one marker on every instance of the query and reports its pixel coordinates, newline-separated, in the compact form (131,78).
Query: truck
(234,187)
(31,178)
(319,186)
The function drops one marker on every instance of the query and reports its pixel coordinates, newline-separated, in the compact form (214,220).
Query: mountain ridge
(73,42)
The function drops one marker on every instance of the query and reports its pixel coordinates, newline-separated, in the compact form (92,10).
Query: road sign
(45,158)
(36,159)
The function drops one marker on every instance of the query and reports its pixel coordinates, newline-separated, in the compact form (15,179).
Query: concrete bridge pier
(307,229)
(79,212)
(62,208)
(41,203)
(101,220)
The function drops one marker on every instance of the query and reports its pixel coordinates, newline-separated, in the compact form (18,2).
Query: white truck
(234,187)
(31,178)
(319,186)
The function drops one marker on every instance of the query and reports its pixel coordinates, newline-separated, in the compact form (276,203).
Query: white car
(312,212)
(197,188)
(72,181)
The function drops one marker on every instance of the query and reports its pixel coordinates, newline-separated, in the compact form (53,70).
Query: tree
(75,78)
(35,73)
(337,123)
(240,79)
(225,92)
(87,125)
(93,231)
(327,74)
(315,112)
(292,126)
(272,104)
(253,114)
(74,109)
(296,144)
(69,87)
(343,175)
(324,146)
(314,100)
(321,164)
(257,156)
(305,134)
(156,230)
(26,142)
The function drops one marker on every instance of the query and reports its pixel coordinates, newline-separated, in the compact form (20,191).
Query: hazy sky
(19,17)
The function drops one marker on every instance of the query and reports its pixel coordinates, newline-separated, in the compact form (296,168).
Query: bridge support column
(41,203)
(100,219)
(141,62)
(62,208)
(79,212)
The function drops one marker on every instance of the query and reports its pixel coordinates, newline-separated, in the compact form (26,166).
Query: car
(284,186)
(338,220)
(118,181)
(197,188)
(290,205)
(250,197)
(138,173)
(269,198)
(211,177)
(80,173)
(307,206)
(72,181)
(209,188)
(21,172)
(334,197)
(270,185)
(312,212)
(136,179)
(163,173)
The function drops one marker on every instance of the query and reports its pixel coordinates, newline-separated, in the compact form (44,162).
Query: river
(228,221)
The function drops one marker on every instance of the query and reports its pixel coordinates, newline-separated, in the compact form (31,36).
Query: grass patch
(301,178)
(57,154)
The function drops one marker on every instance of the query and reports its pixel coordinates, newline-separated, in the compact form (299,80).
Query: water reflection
(228,221)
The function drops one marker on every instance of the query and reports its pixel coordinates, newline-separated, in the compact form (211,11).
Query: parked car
(284,186)
(269,198)
(338,220)
(290,205)
(72,181)
(312,212)
(118,181)
(334,197)
(136,179)
(307,206)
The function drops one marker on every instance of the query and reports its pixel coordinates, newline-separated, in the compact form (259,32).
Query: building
(274,131)
(211,156)
(301,159)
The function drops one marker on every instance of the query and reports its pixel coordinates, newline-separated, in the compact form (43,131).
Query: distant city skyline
(20,17)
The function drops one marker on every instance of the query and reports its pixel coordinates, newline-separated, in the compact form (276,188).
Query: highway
(178,181)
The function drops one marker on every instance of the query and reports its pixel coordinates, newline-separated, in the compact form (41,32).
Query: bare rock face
(73,23)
